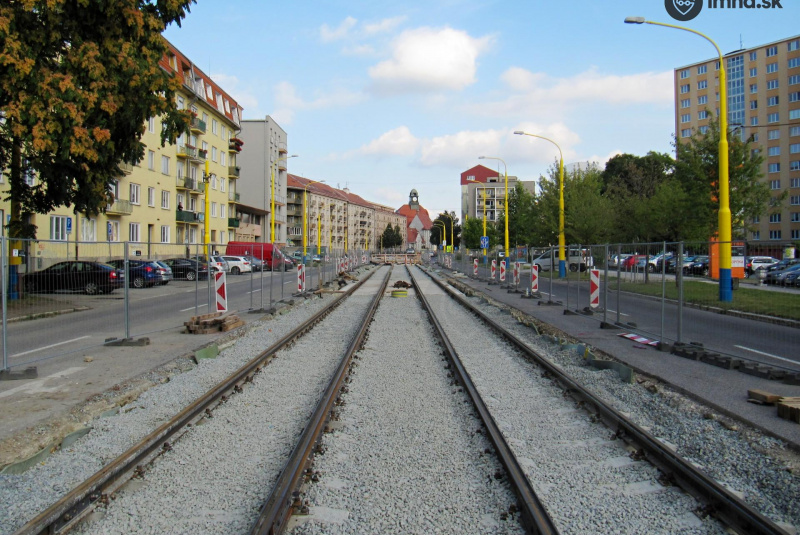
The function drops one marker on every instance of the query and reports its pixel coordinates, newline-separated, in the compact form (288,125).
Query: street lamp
(452,230)
(272,197)
(305,217)
(724,216)
(206,210)
(505,203)
(562,259)
(444,230)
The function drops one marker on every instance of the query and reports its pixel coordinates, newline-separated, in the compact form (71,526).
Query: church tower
(413,200)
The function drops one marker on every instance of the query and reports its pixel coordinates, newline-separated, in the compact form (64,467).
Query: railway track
(519,446)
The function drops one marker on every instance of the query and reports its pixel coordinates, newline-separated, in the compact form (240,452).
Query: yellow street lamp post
(206,210)
(319,234)
(505,202)
(562,259)
(452,230)
(272,197)
(484,224)
(724,216)
(305,216)
(444,230)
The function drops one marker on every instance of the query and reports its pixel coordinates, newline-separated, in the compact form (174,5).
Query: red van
(269,254)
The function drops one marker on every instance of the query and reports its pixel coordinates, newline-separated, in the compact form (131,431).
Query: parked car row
(788,276)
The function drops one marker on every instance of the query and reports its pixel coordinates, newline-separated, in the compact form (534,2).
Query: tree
(436,235)
(78,82)
(398,237)
(391,237)
(697,170)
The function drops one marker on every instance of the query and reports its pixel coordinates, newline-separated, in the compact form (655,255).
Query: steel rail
(535,518)
(280,505)
(67,511)
(719,501)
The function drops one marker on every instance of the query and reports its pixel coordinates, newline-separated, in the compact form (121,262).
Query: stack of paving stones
(788,407)
(212,323)
(696,351)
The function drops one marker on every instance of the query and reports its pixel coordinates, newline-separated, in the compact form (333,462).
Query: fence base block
(606,325)
(625,372)
(570,313)
(138,342)
(28,373)
(550,303)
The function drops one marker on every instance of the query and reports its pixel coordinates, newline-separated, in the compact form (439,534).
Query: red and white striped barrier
(494,269)
(220,291)
(503,271)
(301,278)
(516,273)
(594,288)
(475,267)
(534,278)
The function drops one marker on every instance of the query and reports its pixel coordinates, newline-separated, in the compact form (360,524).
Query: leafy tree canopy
(78,81)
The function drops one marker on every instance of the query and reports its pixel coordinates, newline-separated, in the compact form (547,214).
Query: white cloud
(397,142)
(385,25)
(466,146)
(549,97)
(287,101)
(327,34)
(429,59)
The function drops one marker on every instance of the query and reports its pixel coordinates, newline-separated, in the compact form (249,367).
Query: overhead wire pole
(724,232)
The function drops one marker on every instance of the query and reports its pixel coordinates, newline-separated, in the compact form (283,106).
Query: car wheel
(138,282)
(91,288)
(190,276)
(573,267)
(235,270)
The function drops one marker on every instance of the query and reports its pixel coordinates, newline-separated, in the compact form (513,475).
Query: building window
(716,65)
(794,62)
(58,227)
(114,231)
(794,131)
(773,84)
(756,235)
(703,99)
(794,97)
(794,45)
(214,124)
(213,209)
(684,73)
(774,218)
(795,217)
(222,158)
(794,200)
(165,165)
(795,182)
(757,219)
(165,199)
(775,184)
(772,67)
(686,132)
(795,234)
(755,137)
(703,114)
(685,118)
(151,196)
(179,200)
(753,88)
(753,72)
(702,69)
(685,103)
(772,101)
(774,234)
(213,153)
(88,229)
(133,232)
(135,189)
(753,104)
(753,121)
(703,130)
(151,125)
(772,51)
(702,84)
(794,148)
(774,168)
(151,160)
(794,114)
(222,184)
(164,233)
(774,151)
(223,211)
(774,134)
(773,118)
(753,56)
(685,88)
(213,182)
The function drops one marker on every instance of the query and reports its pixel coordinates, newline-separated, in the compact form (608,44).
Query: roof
(410,214)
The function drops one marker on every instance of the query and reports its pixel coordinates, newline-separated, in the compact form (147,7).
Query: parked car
(217,263)
(88,277)
(615,261)
(783,264)
(778,277)
(629,264)
(758,263)
(576,259)
(255,263)
(687,260)
(187,268)
(237,264)
(792,278)
(166,271)
(142,273)
(269,254)
(699,266)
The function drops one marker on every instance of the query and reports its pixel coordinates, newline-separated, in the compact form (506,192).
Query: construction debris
(761,397)
(401,284)
(213,323)
(789,409)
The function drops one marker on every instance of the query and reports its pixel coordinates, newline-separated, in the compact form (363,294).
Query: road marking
(48,347)
(614,312)
(36,386)
(192,308)
(766,354)
(254,291)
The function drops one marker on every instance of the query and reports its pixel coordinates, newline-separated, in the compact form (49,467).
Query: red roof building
(418,222)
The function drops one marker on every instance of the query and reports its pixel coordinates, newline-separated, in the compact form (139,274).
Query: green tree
(436,231)
(387,240)
(398,237)
(697,170)
(78,81)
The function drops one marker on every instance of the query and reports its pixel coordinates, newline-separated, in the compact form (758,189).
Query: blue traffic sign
(484,242)
(69,225)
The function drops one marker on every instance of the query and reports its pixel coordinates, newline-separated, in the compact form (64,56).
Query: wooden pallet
(212,323)
(789,409)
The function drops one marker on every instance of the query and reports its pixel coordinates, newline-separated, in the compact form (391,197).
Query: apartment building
(763,91)
(385,215)
(264,163)
(161,199)
(483,191)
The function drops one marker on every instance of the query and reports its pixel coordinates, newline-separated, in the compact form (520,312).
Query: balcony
(119,207)
(235,144)
(126,168)
(182,216)
(186,151)
(233,222)
(233,171)
(233,196)
(197,126)
(183,182)
(201,155)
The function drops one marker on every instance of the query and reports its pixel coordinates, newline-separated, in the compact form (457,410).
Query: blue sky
(383,97)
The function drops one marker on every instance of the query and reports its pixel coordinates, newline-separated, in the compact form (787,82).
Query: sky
(385,97)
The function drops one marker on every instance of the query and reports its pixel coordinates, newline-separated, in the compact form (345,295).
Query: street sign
(109,230)
(534,278)
(484,242)
(594,288)
(475,267)
(221,292)
(69,225)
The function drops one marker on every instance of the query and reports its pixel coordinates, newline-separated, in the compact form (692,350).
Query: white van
(577,259)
